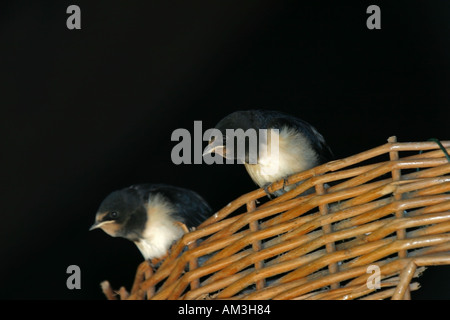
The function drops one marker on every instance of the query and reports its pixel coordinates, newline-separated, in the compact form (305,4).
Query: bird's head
(119,214)
(235,137)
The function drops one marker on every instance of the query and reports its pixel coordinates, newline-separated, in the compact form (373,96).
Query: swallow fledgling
(300,146)
(150,216)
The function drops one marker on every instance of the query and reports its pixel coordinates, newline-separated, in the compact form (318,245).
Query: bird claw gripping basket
(373,223)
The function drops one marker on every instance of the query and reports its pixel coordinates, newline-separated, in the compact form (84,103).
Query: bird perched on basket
(299,146)
(151,215)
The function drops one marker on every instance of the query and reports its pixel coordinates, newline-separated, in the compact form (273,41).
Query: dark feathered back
(191,208)
(276,119)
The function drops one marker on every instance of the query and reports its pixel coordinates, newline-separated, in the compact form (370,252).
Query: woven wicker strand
(386,209)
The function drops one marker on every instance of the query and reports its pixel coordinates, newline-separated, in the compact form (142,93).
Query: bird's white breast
(294,155)
(161,230)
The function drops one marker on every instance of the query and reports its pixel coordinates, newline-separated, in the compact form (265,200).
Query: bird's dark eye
(113,214)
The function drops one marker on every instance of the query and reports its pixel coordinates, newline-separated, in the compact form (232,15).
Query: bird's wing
(278,120)
(191,208)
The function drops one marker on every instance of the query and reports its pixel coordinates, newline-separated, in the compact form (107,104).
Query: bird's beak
(210,148)
(94,226)
(99,224)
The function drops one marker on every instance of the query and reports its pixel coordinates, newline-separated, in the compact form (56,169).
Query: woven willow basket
(375,220)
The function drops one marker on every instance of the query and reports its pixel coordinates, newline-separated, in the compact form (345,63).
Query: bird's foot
(285,182)
(266,190)
(155,263)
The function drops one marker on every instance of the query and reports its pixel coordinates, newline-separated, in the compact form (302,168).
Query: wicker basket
(375,220)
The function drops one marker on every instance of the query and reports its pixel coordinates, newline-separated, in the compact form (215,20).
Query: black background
(85,112)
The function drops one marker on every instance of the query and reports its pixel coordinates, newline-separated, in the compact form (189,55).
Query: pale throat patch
(161,229)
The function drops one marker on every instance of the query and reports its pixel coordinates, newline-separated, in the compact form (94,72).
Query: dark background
(85,112)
